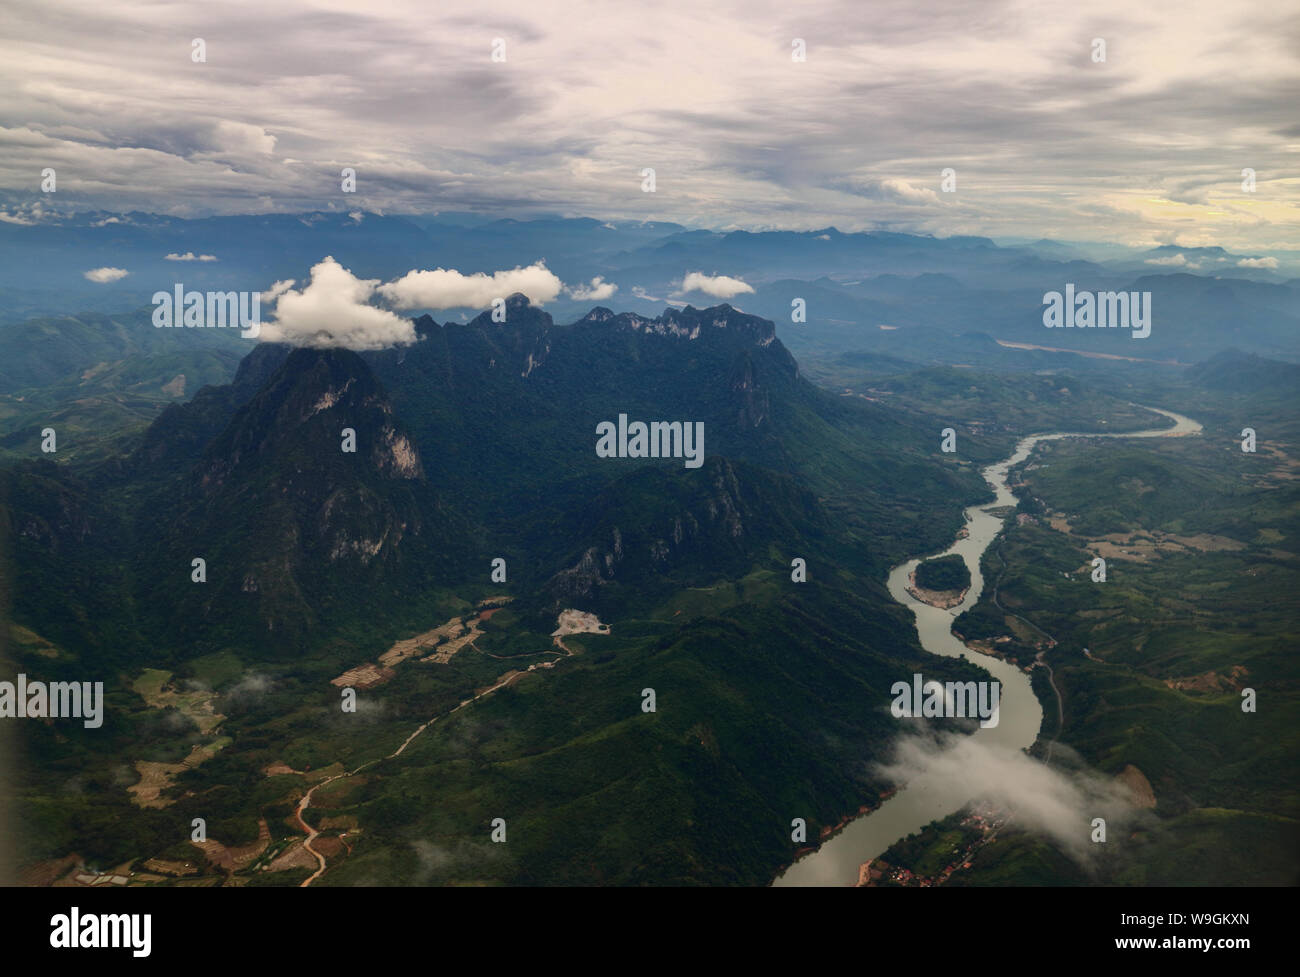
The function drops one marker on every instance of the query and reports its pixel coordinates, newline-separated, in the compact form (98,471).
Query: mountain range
(256,541)
(927,290)
(477,443)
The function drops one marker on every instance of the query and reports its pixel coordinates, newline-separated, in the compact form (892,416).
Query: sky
(1146,147)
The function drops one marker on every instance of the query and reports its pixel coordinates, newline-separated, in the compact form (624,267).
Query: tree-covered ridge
(943,573)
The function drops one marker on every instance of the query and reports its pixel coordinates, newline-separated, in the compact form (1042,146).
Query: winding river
(924,798)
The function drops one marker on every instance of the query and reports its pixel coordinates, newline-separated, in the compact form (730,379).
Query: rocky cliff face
(313,493)
(727,517)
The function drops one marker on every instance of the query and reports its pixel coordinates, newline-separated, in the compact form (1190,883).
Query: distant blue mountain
(926,289)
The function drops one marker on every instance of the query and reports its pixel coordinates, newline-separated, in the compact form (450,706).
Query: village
(983,819)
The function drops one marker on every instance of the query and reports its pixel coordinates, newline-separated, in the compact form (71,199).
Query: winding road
(312,834)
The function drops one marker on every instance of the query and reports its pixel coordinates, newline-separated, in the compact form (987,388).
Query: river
(925,799)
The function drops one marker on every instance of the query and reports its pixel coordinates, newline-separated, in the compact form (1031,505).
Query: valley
(569,622)
(542,446)
(1151,667)
(844,859)
(325,570)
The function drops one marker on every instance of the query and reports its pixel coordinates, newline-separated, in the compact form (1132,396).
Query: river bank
(926,798)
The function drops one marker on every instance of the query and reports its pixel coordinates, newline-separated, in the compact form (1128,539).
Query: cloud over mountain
(444,288)
(333,309)
(597,291)
(719,286)
(337,309)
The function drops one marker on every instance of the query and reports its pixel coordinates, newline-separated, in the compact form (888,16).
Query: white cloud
(32,213)
(1173,260)
(333,310)
(598,290)
(252,685)
(1051,801)
(276,290)
(241,137)
(189,256)
(128,132)
(719,286)
(103,275)
(902,190)
(1258,263)
(446,288)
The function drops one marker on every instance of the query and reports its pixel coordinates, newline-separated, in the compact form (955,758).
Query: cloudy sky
(1145,147)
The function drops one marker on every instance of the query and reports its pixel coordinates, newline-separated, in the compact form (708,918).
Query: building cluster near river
(986,820)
